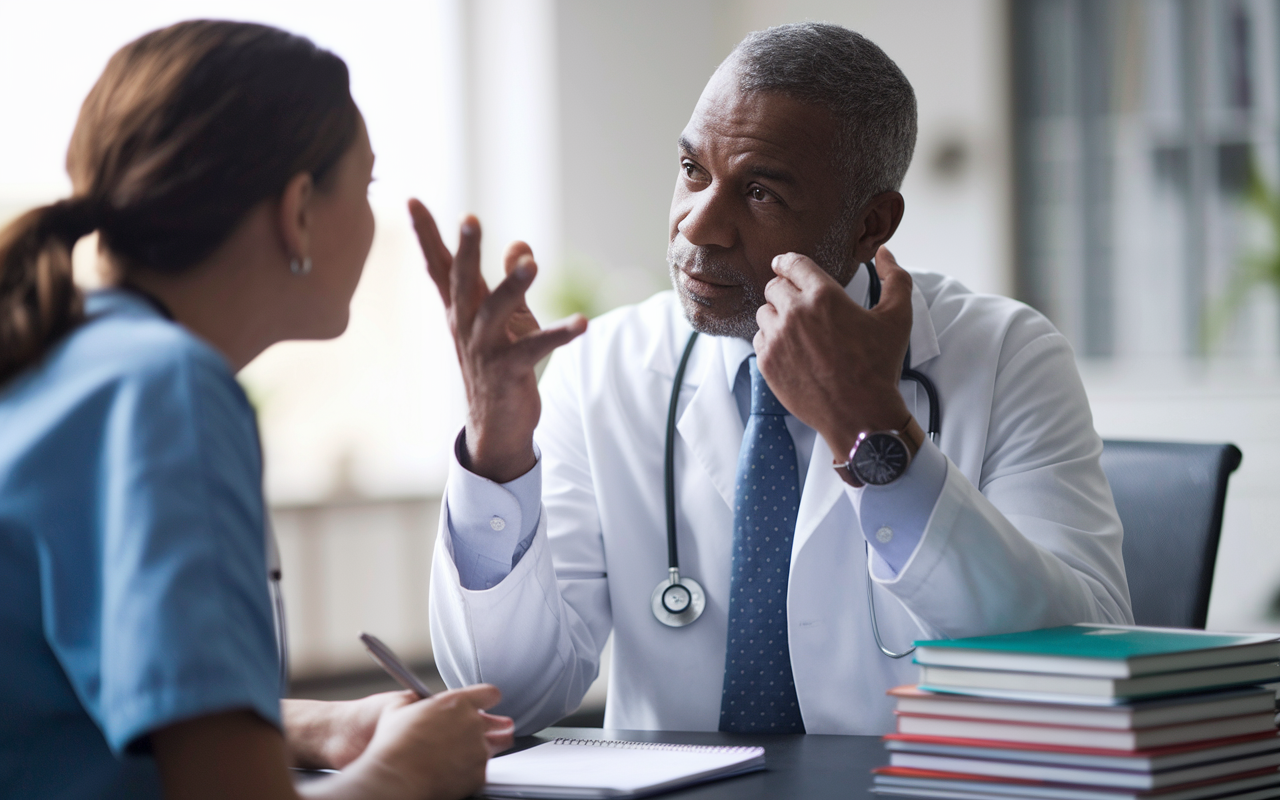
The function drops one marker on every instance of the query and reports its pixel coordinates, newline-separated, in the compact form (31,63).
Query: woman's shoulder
(125,343)
(125,338)
(125,361)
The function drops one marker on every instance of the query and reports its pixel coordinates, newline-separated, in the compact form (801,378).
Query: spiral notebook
(573,768)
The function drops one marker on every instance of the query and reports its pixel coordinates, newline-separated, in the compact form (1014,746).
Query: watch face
(880,458)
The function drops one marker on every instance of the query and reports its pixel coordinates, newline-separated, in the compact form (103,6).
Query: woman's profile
(225,168)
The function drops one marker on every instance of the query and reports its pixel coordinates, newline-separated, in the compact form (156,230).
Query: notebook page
(613,766)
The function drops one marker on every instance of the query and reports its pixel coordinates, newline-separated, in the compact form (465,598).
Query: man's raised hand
(498,343)
(832,363)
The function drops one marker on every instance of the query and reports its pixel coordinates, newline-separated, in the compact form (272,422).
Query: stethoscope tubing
(669,462)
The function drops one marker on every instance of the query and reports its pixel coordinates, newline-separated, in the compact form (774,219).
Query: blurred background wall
(1108,161)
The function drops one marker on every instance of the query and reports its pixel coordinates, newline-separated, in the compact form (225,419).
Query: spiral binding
(681,748)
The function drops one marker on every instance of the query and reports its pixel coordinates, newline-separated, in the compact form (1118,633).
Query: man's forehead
(729,120)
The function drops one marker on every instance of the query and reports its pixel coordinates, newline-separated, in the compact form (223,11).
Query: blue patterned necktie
(759,693)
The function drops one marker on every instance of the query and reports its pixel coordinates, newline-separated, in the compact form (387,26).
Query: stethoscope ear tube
(909,374)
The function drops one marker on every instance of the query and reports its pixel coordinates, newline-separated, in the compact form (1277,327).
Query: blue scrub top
(133,575)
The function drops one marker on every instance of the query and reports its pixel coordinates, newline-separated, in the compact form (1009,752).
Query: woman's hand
(330,735)
(498,342)
(433,749)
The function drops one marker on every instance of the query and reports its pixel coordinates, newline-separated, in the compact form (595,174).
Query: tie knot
(763,400)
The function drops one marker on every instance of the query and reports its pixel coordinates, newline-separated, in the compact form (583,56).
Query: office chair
(1170,497)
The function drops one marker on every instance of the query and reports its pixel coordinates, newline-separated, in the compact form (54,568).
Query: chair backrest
(1170,497)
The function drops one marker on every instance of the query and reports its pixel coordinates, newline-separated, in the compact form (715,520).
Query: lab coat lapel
(924,337)
(710,425)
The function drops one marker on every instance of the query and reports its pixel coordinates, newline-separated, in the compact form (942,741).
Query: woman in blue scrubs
(225,168)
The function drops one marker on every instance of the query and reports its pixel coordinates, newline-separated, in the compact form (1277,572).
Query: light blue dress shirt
(491,525)
(133,576)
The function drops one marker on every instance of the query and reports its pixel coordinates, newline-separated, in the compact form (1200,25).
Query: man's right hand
(498,342)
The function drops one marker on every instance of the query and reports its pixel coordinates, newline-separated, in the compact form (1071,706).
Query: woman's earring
(300,268)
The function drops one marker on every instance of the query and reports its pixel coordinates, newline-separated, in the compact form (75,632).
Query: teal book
(1101,651)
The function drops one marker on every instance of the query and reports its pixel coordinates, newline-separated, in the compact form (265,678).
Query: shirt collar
(736,351)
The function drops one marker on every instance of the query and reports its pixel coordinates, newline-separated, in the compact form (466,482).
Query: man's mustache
(701,263)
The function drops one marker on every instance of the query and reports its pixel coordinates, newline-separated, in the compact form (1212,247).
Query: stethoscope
(678,601)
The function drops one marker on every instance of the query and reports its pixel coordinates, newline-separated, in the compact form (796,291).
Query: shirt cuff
(491,525)
(894,517)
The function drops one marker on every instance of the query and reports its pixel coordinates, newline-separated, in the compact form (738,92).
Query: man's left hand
(832,363)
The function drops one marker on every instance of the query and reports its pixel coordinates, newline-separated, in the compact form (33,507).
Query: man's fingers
(895,287)
(507,298)
(803,271)
(439,259)
(781,292)
(535,347)
(466,283)
(516,251)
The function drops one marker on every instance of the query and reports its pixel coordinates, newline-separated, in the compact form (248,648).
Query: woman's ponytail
(39,301)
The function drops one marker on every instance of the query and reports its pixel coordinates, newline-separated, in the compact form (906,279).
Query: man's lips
(705,285)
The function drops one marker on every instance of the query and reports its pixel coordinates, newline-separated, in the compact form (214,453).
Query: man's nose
(709,221)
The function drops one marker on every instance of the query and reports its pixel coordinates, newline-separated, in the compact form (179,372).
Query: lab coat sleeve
(491,525)
(894,517)
(538,633)
(1036,542)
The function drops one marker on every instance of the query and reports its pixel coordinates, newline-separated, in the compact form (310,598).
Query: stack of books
(1089,712)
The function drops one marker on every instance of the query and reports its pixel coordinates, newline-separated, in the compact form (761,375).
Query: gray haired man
(804,486)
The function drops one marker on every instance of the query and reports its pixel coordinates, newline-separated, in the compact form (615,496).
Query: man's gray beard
(830,255)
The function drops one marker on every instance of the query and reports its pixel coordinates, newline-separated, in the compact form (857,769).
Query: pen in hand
(390,662)
(501,729)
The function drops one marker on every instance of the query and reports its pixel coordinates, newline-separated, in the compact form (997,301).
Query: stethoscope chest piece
(678,601)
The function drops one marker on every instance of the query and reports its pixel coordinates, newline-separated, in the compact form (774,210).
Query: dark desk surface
(807,766)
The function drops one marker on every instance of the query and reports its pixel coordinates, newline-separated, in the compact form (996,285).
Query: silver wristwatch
(879,458)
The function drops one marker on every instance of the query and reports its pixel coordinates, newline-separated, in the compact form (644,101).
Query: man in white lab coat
(549,542)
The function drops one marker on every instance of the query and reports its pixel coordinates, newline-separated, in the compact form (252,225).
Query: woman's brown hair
(188,129)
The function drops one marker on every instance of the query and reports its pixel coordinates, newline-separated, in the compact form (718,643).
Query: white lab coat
(1024,535)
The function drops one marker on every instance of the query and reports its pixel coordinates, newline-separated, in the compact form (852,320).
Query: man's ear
(296,220)
(876,224)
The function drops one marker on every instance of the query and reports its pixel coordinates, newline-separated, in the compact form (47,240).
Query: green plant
(1257,268)
(576,290)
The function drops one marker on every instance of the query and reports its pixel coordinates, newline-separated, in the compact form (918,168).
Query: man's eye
(760,195)
(690,171)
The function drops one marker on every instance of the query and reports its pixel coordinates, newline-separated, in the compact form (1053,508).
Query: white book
(1200,731)
(598,768)
(1148,761)
(1126,716)
(957,679)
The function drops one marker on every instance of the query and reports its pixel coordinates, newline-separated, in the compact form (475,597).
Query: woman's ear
(296,219)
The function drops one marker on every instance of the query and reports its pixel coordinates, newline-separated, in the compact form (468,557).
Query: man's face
(757,179)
